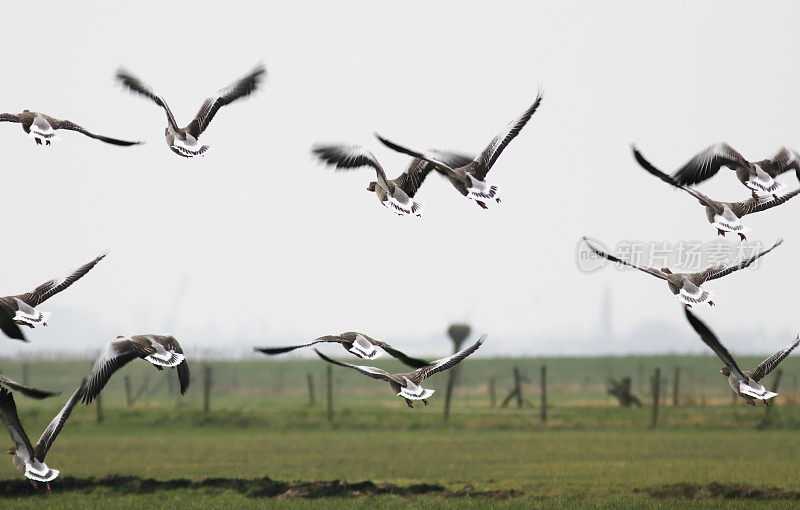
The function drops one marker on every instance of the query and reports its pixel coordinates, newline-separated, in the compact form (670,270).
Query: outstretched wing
(769,364)
(7,324)
(241,88)
(51,432)
(430,158)
(720,271)
(651,169)
(375,373)
(346,157)
(71,126)
(707,163)
(758,204)
(411,180)
(492,151)
(271,351)
(711,340)
(138,86)
(404,358)
(26,390)
(445,363)
(50,288)
(612,258)
(10,418)
(115,355)
(784,160)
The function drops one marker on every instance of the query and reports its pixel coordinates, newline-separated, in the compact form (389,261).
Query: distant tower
(606,319)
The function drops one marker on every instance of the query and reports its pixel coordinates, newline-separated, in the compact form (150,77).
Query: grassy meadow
(704,453)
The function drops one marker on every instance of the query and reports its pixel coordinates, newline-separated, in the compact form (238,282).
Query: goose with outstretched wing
(184,141)
(24,305)
(758,176)
(29,459)
(359,344)
(396,194)
(162,351)
(745,383)
(470,179)
(725,216)
(42,128)
(686,286)
(407,385)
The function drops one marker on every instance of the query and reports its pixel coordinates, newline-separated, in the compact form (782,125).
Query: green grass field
(591,453)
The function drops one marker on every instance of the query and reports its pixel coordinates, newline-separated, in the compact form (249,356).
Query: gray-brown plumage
(160,350)
(24,305)
(26,390)
(29,459)
(7,324)
(395,194)
(183,141)
(745,383)
(359,344)
(758,176)
(42,128)
(726,216)
(470,179)
(686,286)
(407,385)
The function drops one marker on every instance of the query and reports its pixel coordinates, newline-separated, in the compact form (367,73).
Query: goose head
(371,186)
(725,371)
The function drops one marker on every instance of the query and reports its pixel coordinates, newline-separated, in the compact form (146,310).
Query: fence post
(656,395)
(451,382)
(25,370)
(329,374)
(492,392)
(310,380)
(98,404)
(518,386)
(775,384)
(544,394)
(128,394)
(676,387)
(206,389)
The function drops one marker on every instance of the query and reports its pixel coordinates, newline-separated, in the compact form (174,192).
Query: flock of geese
(760,178)
(466,173)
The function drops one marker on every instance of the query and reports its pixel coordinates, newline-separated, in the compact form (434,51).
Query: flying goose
(162,351)
(407,385)
(758,177)
(359,344)
(184,141)
(43,127)
(25,304)
(396,194)
(7,324)
(745,383)
(26,458)
(686,286)
(470,179)
(726,216)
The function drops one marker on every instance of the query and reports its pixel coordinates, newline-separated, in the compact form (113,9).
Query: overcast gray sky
(271,247)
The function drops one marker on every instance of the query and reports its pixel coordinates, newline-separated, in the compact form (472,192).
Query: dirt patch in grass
(718,490)
(256,488)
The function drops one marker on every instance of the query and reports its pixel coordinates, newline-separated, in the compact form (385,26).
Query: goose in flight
(396,194)
(407,385)
(359,344)
(745,383)
(758,177)
(470,179)
(686,286)
(7,324)
(42,128)
(27,458)
(162,351)
(183,141)
(24,305)
(725,216)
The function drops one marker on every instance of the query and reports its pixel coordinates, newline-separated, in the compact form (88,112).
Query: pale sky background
(271,247)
